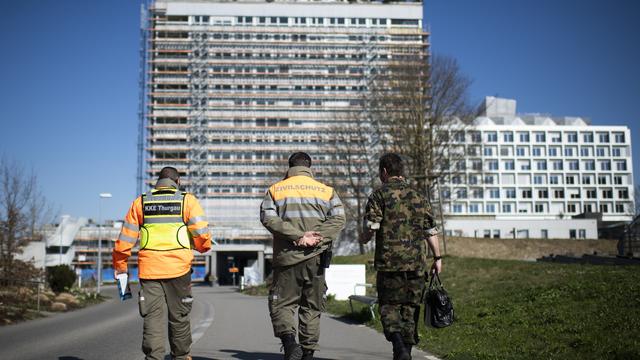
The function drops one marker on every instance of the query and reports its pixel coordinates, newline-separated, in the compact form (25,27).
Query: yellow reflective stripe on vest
(163,226)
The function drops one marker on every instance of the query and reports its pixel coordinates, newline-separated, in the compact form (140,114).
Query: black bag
(438,309)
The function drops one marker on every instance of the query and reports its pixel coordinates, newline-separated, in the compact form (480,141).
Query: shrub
(60,277)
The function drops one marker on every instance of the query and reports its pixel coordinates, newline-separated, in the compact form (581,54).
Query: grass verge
(523,310)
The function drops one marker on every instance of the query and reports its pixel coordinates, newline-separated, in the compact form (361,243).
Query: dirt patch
(525,249)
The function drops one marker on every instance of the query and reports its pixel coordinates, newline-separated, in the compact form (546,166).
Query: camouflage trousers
(399,297)
(300,286)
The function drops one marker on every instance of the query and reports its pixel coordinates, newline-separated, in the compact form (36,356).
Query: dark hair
(392,163)
(169,173)
(300,159)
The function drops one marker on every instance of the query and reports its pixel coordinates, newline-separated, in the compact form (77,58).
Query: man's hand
(309,239)
(436,267)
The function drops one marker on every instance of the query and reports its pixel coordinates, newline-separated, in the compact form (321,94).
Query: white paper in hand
(123,286)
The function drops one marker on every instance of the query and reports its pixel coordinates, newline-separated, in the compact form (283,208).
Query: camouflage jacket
(298,204)
(402,220)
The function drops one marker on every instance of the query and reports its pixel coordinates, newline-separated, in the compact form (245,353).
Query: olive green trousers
(300,287)
(154,298)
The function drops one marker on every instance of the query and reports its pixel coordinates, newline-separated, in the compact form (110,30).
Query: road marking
(204,324)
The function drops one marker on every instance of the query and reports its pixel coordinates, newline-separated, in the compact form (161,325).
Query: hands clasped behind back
(309,239)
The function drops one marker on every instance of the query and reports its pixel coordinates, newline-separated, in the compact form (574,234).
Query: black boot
(409,347)
(307,354)
(399,351)
(292,351)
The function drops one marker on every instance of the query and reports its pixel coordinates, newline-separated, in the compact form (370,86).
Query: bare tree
(421,110)
(355,171)
(22,208)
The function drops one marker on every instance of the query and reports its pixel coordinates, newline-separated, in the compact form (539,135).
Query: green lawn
(523,310)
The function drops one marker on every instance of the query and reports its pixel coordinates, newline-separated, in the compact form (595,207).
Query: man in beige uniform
(304,216)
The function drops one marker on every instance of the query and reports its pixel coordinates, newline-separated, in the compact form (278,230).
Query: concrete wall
(525,228)
(525,249)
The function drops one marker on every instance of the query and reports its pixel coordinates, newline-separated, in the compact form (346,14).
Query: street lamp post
(102,196)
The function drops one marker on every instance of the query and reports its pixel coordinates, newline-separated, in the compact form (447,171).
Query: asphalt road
(225,325)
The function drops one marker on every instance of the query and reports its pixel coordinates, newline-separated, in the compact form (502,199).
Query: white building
(527,175)
(232,88)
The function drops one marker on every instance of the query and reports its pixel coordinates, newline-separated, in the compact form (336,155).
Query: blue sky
(69,79)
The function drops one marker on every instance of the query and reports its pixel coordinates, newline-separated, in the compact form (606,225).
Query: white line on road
(204,324)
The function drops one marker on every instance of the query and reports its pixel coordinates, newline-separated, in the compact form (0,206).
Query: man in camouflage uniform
(304,216)
(400,217)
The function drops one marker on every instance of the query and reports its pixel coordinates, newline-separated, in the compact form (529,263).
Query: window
(539,208)
(494,193)
(506,208)
(571,208)
(554,179)
(616,152)
(569,180)
(461,193)
(521,151)
(457,208)
(585,151)
(618,137)
(543,194)
(473,180)
(526,194)
(524,136)
(476,137)
(553,151)
(623,194)
(537,151)
(568,151)
(508,136)
(590,165)
(540,137)
(607,194)
(509,165)
(605,165)
(525,165)
(505,151)
(617,180)
(492,137)
(587,137)
(557,165)
(572,233)
(619,208)
(489,179)
(603,137)
(541,165)
(486,233)
(601,151)
(496,233)
(477,193)
(493,165)
(544,233)
(474,208)
(603,180)
(558,194)
(491,208)
(510,193)
(537,179)
(572,137)
(488,151)
(591,193)
(574,165)
(586,180)
(582,233)
(621,165)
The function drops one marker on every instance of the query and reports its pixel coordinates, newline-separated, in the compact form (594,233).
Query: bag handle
(438,282)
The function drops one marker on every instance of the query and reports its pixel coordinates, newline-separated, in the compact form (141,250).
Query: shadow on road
(69,358)
(243,355)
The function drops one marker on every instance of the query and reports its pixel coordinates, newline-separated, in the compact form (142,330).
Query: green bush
(60,278)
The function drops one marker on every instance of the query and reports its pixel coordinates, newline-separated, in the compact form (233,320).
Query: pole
(61,235)
(444,235)
(102,196)
(99,265)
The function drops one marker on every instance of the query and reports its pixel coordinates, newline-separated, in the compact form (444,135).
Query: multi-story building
(232,88)
(534,175)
